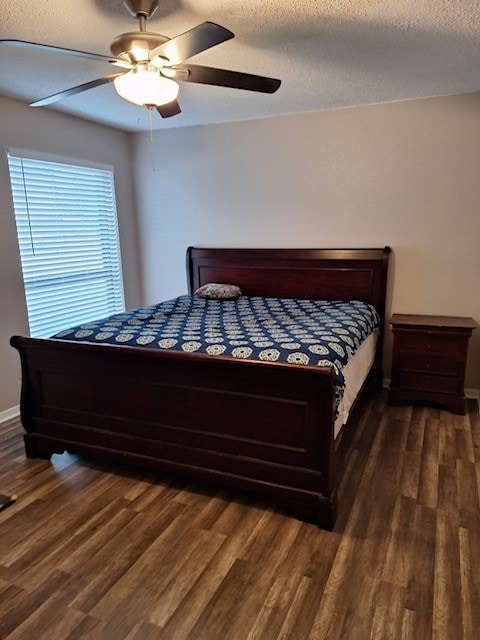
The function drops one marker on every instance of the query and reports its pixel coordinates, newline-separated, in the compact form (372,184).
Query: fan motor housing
(129,46)
(144,8)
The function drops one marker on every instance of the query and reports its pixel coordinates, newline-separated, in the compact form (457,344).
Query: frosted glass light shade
(146,87)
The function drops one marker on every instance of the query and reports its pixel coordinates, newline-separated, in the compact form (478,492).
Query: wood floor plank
(274,607)
(428,481)
(409,625)
(389,607)
(474,423)
(18,613)
(335,585)
(257,566)
(447,498)
(51,615)
(467,485)
(410,474)
(240,580)
(416,433)
(447,603)
(115,559)
(469,572)
(292,623)
(447,441)
(93,551)
(464,445)
(174,588)
(310,556)
(144,631)
(68,518)
(420,592)
(358,615)
(208,583)
(87,628)
(399,560)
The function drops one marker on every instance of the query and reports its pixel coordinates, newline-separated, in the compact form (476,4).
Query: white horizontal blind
(68,237)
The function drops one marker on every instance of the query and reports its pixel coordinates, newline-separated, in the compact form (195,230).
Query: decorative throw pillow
(218,291)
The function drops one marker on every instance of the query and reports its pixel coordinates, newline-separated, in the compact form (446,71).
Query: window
(68,237)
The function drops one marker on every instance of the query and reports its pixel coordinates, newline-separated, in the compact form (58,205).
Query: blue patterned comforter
(305,332)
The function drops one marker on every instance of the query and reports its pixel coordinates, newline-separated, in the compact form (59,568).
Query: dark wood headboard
(321,274)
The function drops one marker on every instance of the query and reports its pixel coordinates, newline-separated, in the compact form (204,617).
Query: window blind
(68,238)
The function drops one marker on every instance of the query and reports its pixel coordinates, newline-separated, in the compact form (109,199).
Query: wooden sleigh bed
(253,425)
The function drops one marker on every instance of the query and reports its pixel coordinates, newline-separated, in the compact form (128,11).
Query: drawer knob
(429,347)
(428,365)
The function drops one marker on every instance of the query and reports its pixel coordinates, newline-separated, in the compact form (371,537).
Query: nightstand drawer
(425,382)
(427,343)
(427,364)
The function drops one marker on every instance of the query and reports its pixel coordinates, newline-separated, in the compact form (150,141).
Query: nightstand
(429,360)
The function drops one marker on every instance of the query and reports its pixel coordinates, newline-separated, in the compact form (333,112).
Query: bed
(268,427)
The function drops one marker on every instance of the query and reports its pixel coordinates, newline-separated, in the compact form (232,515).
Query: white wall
(404,174)
(46,131)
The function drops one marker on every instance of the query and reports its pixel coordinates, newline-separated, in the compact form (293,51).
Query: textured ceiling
(328,54)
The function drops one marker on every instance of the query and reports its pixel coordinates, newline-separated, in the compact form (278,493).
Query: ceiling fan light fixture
(146,87)
(156,64)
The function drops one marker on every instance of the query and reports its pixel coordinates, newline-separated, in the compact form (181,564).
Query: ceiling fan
(153,63)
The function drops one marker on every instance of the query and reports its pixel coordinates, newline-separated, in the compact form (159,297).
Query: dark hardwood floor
(91,551)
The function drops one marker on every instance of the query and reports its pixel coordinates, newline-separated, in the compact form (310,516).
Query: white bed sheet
(354,373)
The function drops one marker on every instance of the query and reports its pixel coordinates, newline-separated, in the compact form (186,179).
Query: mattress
(296,332)
(355,373)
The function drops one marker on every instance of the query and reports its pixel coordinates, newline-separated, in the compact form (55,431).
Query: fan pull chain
(152,146)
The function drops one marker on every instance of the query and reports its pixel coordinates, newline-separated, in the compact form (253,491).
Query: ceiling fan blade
(53,49)
(169,110)
(226,78)
(188,44)
(78,89)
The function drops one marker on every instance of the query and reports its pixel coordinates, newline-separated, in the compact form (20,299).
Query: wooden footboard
(252,425)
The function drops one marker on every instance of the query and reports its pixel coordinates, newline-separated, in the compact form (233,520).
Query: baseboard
(9,414)
(472,393)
